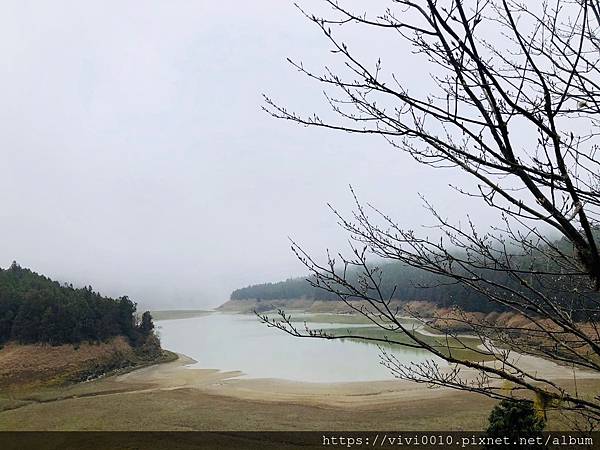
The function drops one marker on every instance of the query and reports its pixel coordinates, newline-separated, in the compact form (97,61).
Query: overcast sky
(136,157)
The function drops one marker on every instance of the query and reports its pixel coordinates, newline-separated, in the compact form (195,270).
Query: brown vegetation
(37,364)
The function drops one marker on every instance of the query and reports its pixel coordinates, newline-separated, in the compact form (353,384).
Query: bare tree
(517,108)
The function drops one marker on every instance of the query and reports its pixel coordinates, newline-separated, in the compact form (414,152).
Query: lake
(240,342)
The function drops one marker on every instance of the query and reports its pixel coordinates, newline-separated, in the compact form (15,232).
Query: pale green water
(241,342)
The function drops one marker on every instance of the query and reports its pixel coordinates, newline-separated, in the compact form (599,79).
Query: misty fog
(136,157)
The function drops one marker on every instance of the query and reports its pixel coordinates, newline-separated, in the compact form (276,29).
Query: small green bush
(515,419)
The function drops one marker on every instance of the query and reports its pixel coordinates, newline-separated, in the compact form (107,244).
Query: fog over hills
(136,157)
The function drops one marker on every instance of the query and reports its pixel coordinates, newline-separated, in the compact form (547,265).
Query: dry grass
(191,409)
(31,365)
(171,397)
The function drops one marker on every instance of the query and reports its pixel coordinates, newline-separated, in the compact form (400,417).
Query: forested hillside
(35,309)
(406,283)
(399,282)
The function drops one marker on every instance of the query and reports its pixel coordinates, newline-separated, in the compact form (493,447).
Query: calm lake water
(240,342)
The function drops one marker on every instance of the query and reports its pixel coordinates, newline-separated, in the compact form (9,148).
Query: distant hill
(36,309)
(399,282)
(405,283)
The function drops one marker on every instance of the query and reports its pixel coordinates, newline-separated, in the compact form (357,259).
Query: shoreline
(175,397)
(355,394)
(178,375)
(533,365)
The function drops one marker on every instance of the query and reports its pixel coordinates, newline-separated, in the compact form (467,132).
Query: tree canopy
(36,309)
(400,281)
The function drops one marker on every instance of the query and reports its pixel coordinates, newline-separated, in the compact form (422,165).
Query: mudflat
(172,396)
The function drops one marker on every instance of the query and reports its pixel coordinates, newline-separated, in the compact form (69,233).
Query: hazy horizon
(137,158)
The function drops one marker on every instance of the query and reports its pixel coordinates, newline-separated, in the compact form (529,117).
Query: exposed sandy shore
(177,375)
(177,396)
(534,366)
(171,396)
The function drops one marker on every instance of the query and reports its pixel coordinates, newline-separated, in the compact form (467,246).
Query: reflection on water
(238,342)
